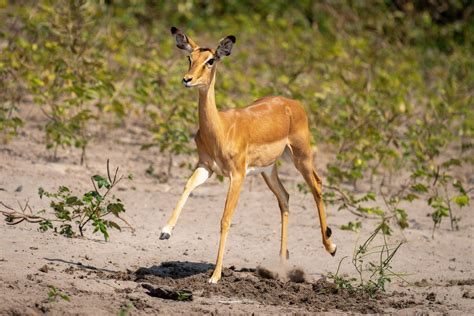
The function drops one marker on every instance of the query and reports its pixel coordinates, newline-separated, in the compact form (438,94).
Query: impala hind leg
(303,160)
(199,176)
(233,194)
(275,185)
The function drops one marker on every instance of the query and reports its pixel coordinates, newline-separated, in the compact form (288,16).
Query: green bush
(72,213)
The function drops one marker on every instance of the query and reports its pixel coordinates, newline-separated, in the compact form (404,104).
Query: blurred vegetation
(388,84)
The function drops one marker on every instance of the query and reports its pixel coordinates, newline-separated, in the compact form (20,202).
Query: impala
(237,142)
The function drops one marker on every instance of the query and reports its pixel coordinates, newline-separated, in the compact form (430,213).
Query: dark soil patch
(247,284)
(460,282)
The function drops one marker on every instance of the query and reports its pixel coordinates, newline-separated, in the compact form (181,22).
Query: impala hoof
(165,236)
(215,277)
(333,253)
(213,281)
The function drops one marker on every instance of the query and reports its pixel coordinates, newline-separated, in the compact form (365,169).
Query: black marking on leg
(328,232)
(164,236)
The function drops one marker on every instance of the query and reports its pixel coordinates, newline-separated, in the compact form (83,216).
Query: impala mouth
(192,84)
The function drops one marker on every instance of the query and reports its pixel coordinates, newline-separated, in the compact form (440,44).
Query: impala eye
(210,62)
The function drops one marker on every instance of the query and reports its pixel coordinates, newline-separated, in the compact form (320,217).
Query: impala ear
(182,41)
(225,46)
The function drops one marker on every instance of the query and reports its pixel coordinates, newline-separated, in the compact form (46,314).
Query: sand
(104,278)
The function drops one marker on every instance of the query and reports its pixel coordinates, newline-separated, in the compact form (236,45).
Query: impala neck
(209,120)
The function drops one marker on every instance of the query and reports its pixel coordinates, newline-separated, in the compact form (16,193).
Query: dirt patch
(263,287)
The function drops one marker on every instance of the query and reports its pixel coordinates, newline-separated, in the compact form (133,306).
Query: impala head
(202,61)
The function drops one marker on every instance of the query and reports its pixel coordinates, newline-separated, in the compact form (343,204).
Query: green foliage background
(388,85)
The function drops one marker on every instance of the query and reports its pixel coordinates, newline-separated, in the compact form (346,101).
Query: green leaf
(402,218)
(352,226)
(438,215)
(45,225)
(100,225)
(90,196)
(461,200)
(40,192)
(37,82)
(184,296)
(73,201)
(101,181)
(367,197)
(371,210)
(63,189)
(410,197)
(103,230)
(65,297)
(386,230)
(115,208)
(451,162)
(113,225)
(419,188)
(66,230)
(458,185)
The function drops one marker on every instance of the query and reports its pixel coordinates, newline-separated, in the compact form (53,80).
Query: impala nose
(186,80)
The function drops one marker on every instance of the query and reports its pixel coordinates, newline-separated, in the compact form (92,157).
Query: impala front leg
(199,176)
(233,194)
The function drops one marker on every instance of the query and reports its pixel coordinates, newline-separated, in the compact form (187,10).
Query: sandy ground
(103,277)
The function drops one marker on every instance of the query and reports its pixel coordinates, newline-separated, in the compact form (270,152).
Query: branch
(126,222)
(22,216)
(348,201)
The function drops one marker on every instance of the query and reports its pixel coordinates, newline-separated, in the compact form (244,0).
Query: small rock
(19,188)
(252,278)
(44,269)
(227,272)
(69,270)
(431,297)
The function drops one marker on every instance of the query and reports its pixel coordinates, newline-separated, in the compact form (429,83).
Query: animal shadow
(175,269)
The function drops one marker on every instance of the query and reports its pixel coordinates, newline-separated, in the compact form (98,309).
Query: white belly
(257,170)
(216,169)
(248,171)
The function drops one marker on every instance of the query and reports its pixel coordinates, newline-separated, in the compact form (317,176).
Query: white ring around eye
(207,61)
